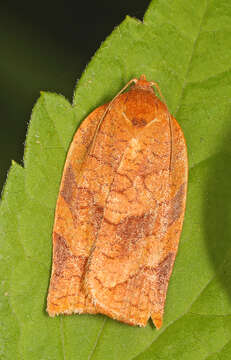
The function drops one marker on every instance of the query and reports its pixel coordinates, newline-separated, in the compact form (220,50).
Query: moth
(120,210)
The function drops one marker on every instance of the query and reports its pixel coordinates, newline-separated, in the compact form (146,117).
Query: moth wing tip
(157,320)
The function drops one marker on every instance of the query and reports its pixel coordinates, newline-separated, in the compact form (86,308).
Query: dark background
(46,45)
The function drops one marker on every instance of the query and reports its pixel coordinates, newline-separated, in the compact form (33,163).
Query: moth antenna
(108,108)
(153,83)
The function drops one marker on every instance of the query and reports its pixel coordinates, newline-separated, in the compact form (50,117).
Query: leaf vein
(97,340)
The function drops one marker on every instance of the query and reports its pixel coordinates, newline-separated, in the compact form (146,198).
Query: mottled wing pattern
(65,294)
(174,215)
(120,210)
(129,269)
(89,170)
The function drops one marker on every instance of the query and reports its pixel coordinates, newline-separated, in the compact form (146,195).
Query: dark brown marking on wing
(163,273)
(63,257)
(139,122)
(98,215)
(68,185)
(135,227)
(176,205)
(61,253)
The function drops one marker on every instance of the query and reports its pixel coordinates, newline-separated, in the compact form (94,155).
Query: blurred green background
(46,45)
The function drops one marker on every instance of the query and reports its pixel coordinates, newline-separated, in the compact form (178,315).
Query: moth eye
(139,122)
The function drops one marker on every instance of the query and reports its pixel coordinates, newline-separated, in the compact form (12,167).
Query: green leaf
(185,47)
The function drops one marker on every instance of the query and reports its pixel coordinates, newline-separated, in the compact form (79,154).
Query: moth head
(143,83)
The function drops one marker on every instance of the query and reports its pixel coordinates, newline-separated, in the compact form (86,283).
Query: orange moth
(120,210)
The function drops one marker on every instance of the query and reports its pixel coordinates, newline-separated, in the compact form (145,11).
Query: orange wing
(69,252)
(120,210)
(88,173)
(129,268)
